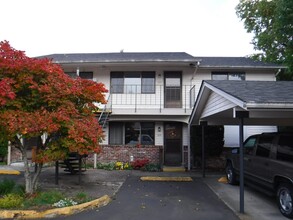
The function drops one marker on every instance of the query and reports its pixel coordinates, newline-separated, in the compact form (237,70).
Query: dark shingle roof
(126,57)
(234,62)
(121,57)
(270,92)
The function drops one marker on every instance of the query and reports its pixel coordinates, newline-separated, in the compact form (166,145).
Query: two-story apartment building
(151,96)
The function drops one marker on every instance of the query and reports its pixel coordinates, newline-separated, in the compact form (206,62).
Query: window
(133,82)
(264,145)
(228,76)
(117,82)
(173,90)
(86,75)
(83,75)
(285,148)
(263,150)
(134,133)
(249,145)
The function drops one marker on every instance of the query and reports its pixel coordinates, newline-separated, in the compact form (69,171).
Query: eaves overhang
(241,67)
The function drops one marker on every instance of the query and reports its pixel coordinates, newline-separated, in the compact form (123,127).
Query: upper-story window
(133,82)
(218,75)
(83,75)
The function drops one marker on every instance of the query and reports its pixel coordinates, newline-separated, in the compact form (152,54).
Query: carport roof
(268,102)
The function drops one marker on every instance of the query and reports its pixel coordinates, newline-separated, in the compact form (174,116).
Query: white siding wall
(231,134)
(106,137)
(260,75)
(159,135)
(216,104)
(199,77)
(185,135)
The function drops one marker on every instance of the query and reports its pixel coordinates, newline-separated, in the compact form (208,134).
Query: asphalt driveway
(143,200)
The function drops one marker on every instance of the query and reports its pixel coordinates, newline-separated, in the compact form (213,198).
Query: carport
(243,103)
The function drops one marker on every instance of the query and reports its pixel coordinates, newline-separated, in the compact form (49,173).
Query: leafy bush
(44,198)
(106,166)
(152,167)
(19,190)
(82,197)
(123,166)
(6,186)
(138,164)
(11,201)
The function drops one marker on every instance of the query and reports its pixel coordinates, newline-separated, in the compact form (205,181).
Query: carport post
(241,115)
(203,163)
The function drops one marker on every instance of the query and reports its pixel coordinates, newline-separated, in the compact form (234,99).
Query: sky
(198,27)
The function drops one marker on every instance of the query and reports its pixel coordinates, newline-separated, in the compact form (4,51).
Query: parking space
(144,200)
(256,204)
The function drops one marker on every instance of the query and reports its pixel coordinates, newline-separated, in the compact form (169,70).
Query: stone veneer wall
(114,153)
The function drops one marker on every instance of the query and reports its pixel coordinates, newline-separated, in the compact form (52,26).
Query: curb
(223,180)
(32,214)
(9,172)
(166,179)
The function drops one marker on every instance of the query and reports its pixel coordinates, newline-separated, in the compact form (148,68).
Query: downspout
(188,147)
(277,73)
(195,70)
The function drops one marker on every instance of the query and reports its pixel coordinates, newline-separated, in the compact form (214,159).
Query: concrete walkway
(256,205)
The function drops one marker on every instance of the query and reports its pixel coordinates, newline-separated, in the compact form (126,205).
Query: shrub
(6,186)
(106,166)
(138,164)
(11,201)
(44,198)
(152,167)
(122,166)
(81,197)
(19,190)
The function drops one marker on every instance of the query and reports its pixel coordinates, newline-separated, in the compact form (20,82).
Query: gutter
(270,106)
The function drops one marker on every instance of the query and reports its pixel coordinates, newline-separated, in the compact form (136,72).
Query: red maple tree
(37,99)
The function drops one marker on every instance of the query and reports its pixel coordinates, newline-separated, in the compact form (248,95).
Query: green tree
(271,22)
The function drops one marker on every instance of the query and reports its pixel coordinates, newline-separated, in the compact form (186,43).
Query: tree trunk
(31,175)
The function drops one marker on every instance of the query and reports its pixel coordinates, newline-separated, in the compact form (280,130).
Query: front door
(173,144)
(173,89)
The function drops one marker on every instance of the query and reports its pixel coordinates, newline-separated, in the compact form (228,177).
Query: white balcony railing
(133,98)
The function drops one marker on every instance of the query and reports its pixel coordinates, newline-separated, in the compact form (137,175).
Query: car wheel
(230,174)
(284,199)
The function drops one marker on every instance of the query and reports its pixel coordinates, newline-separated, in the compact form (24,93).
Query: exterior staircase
(104,114)
(74,163)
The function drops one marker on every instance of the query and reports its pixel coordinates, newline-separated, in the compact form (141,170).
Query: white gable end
(216,104)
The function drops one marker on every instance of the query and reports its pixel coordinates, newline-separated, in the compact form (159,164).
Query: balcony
(158,99)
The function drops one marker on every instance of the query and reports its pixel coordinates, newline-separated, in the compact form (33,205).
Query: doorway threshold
(174,169)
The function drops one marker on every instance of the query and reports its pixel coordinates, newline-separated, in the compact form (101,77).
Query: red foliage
(6,90)
(140,163)
(37,97)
